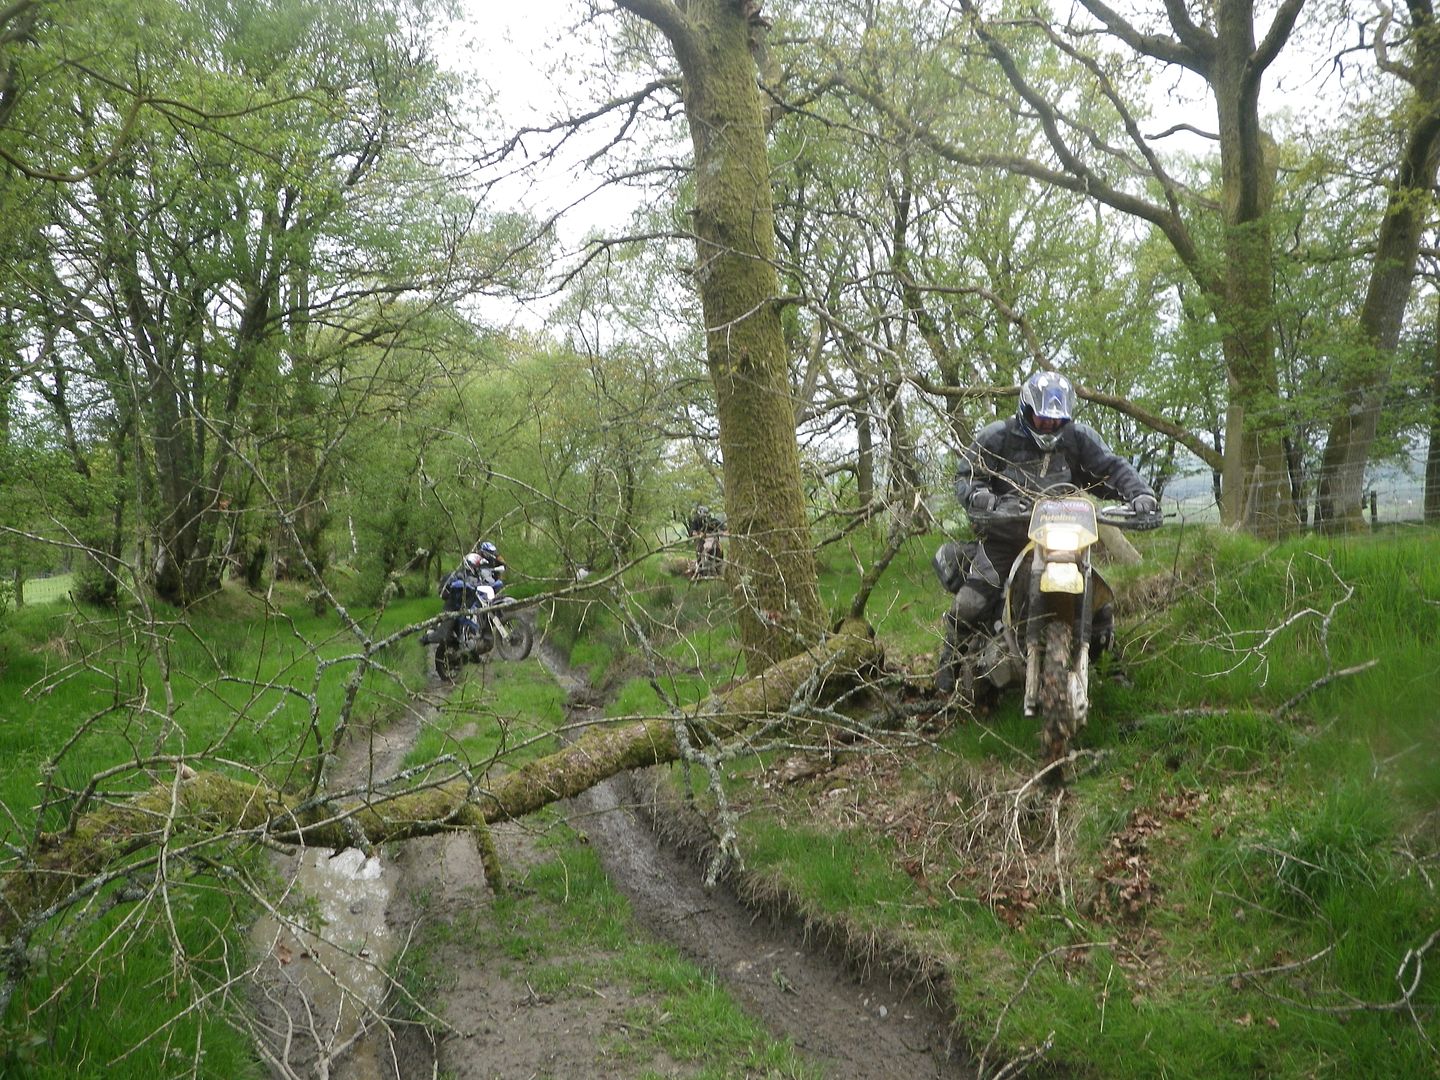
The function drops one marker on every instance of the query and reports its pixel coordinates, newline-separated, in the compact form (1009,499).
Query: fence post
(1374,515)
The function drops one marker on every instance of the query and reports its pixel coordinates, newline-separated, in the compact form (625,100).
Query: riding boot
(1102,632)
(965,616)
(949,650)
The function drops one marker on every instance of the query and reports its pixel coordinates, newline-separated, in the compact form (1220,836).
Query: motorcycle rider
(1039,446)
(477,580)
(489,569)
(461,588)
(705,528)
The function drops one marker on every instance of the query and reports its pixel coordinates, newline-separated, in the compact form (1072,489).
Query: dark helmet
(702,511)
(1047,403)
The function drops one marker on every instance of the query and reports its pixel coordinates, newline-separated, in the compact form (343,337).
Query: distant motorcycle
(467,636)
(709,552)
(710,557)
(1041,627)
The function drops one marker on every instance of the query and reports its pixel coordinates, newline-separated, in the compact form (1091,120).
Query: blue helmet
(487,548)
(1047,402)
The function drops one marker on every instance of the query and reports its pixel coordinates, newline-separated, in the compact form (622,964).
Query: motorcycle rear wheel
(517,638)
(1056,705)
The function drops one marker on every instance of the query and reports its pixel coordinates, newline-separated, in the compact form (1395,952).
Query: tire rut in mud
(881,1027)
(853,1029)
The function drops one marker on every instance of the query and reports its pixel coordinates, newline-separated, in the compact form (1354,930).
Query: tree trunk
(1355,421)
(772,561)
(1254,493)
(864,457)
(1432,456)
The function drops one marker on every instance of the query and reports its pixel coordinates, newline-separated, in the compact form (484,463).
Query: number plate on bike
(1075,517)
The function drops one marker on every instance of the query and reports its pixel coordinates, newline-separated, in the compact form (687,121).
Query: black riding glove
(982,499)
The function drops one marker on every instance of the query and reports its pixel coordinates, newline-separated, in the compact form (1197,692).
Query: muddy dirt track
(499,1027)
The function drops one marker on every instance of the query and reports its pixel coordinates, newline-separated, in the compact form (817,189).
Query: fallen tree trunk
(123,840)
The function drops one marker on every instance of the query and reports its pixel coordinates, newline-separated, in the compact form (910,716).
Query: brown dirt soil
(492,1023)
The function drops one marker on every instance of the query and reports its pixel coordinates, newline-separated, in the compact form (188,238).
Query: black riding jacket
(1005,460)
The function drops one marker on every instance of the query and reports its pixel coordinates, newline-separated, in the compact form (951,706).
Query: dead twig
(1320,683)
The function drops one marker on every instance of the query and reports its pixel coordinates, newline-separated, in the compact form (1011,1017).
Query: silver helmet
(1047,404)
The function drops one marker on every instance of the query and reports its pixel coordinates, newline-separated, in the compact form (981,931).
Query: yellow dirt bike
(1039,634)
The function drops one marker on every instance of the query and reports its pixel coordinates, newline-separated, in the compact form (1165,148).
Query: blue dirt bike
(468,635)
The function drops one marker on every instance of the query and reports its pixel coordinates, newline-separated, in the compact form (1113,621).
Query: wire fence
(1395,494)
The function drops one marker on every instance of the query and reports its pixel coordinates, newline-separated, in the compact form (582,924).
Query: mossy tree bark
(1432,456)
(772,571)
(1355,421)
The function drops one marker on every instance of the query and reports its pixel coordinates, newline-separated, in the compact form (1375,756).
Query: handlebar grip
(1122,517)
(998,516)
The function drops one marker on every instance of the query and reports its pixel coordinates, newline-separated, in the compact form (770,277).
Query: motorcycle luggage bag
(952,563)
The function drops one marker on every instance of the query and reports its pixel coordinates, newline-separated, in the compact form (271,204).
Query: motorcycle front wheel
(1056,704)
(447,661)
(515,639)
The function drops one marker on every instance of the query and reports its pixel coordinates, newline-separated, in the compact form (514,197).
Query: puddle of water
(326,985)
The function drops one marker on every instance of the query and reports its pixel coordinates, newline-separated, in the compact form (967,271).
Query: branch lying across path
(202,809)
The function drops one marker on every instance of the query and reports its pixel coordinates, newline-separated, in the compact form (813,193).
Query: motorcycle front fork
(1039,608)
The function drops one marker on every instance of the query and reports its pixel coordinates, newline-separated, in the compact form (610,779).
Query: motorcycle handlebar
(1122,517)
(1010,511)
(1005,512)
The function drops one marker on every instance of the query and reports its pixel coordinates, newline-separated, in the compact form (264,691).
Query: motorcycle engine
(997,665)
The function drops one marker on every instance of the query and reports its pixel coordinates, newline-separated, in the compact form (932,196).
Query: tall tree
(274,185)
(774,575)
(1355,420)
(1222,49)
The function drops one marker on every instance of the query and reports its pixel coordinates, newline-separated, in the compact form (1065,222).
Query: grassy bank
(1240,879)
(141,978)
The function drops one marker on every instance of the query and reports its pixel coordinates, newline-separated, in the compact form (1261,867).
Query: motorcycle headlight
(1062,538)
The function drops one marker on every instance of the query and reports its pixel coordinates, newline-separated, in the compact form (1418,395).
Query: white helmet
(1047,401)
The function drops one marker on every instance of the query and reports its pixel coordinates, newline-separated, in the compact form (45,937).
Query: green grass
(1280,866)
(139,990)
(47,590)
(504,711)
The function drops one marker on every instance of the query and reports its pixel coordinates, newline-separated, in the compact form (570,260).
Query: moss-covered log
(211,806)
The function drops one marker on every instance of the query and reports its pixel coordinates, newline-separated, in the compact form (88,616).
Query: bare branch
(1195,48)
(1275,38)
(668,19)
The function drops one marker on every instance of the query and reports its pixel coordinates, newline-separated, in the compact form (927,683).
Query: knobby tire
(447,662)
(1061,724)
(517,640)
